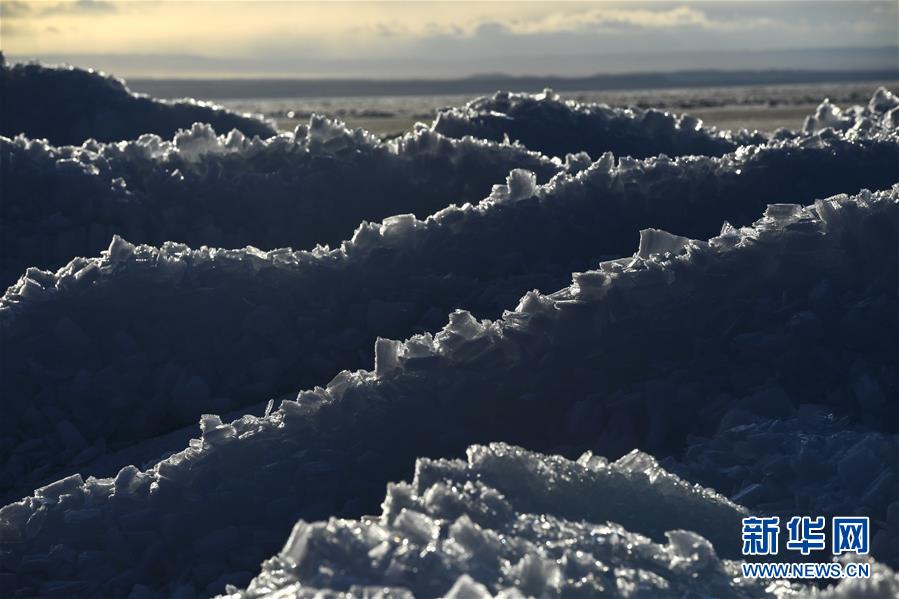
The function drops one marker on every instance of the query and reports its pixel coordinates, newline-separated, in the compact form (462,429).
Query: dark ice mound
(67,105)
(546,123)
(646,351)
(313,186)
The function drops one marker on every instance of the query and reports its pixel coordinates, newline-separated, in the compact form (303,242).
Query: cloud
(447,37)
(93,7)
(591,20)
(24,20)
(16,9)
(680,16)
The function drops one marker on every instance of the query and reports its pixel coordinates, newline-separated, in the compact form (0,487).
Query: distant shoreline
(312,88)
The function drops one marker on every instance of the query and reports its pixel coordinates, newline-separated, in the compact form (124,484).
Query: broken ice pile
(524,524)
(623,376)
(880,115)
(120,336)
(125,344)
(314,186)
(548,124)
(298,189)
(510,523)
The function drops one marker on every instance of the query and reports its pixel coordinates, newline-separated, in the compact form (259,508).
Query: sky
(446,39)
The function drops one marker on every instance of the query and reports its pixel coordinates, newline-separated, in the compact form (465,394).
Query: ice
(548,124)
(386,355)
(544,538)
(68,105)
(623,377)
(311,187)
(879,115)
(465,586)
(654,241)
(245,325)
(537,545)
(753,358)
(557,127)
(314,186)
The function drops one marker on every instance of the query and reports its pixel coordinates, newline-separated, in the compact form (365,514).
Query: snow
(68,105)
(223,504)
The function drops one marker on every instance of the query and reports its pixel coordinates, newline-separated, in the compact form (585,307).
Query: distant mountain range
(480,84)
